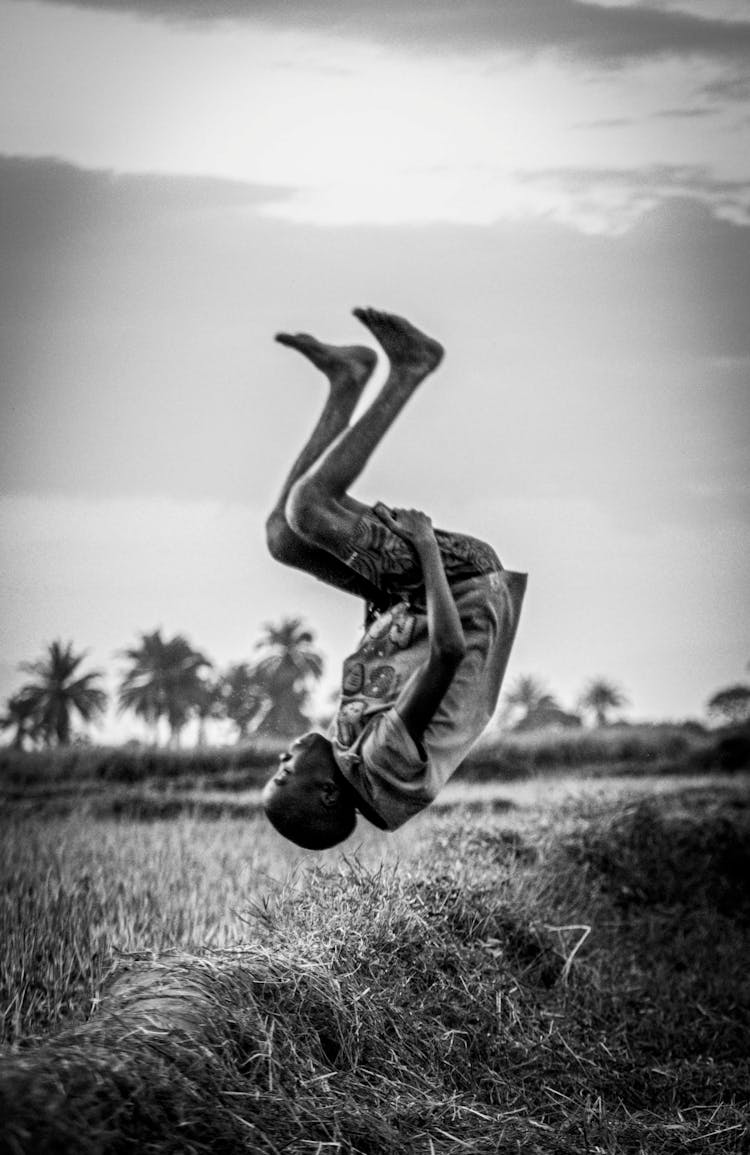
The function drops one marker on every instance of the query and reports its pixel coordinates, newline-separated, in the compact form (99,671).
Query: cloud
(51,210)
(590,199)
(576,29)
(44,196)
(682,113)
(626,194)
(608,122)
(734,86)
(694,113)
(135,351)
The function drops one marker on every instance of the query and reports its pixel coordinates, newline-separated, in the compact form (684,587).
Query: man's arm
(447,643)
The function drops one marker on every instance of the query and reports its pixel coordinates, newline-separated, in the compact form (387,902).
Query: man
(441,611)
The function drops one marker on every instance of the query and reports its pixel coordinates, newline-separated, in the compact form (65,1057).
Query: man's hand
(422,696)
(412,525)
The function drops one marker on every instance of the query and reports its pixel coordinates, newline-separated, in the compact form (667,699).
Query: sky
(558,190)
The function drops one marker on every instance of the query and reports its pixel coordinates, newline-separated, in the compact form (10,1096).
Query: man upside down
(441,613)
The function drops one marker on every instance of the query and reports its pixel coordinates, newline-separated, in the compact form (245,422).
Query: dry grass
(559,981)
(77,894)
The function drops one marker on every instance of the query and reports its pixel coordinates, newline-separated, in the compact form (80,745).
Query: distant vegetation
(599,697)
(731,705)
(533,707)
(43,709)
(150,782)
(167,683)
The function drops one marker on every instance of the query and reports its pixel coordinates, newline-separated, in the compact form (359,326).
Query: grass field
(150,783)
(544,966)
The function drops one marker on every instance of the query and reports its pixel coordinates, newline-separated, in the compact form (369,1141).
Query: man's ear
(330,792)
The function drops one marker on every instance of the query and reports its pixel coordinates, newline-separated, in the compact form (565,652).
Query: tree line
(529,697)
(531,706)
(167,684)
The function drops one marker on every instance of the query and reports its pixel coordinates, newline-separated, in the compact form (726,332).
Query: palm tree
(164,681)
(245,694)
(289,663)
(60,690)
(209,703)
(20,715)
(529,694)
(600,696)
(731,705)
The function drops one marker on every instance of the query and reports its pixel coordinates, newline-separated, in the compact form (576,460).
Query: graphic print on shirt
(348,721)
(369,680)
(353,678)
(376,643)
(381,682)
(402,628)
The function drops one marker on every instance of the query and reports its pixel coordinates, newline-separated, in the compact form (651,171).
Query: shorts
(389,563)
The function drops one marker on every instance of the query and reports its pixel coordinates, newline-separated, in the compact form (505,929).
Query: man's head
(308,799)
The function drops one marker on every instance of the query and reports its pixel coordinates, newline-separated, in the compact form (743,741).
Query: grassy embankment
(563,975)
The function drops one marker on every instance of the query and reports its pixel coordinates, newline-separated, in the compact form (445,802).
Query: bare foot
(407,347)
(349,365)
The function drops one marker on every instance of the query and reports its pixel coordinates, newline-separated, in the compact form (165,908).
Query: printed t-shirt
(372,747)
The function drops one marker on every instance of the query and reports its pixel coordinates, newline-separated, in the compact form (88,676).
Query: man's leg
(348,368)
(319,505)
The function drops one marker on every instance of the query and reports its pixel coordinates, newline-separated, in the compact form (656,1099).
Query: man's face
(305,769)
(308,799)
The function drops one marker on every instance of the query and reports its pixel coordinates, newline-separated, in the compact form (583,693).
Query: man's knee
(280,539)
(309,511)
